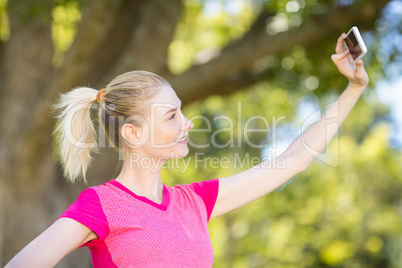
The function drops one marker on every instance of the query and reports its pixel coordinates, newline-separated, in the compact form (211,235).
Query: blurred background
(238,59)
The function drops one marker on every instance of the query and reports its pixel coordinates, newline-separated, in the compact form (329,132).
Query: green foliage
(64,17)
(200,34)
(4,25)
(64,26)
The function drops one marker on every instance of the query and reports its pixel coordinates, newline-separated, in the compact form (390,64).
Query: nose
(188,124)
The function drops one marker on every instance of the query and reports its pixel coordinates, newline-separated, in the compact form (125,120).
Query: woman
(135,220)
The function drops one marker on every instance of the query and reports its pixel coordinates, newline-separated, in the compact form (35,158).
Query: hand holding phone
(355,44)
(348,65)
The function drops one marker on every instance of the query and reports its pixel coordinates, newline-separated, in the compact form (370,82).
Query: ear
(131,134)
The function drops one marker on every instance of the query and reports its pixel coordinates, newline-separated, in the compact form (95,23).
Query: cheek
(167,132)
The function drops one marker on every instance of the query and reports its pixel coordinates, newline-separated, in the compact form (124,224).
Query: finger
(340,56)
(339,44)
(348,42)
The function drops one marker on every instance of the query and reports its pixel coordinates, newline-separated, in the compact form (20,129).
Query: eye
(172,116)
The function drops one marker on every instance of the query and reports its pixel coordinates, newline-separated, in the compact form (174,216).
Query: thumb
(359,68)
(340,56)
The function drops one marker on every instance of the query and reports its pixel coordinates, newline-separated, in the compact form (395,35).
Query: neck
(141,175)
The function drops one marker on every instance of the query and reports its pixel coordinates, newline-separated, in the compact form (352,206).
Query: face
(165,133)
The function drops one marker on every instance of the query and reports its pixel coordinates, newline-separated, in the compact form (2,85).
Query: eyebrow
(172,110)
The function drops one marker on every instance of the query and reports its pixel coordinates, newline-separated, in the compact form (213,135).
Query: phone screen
(353,45)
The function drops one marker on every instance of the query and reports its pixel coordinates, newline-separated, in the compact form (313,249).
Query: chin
(179,154)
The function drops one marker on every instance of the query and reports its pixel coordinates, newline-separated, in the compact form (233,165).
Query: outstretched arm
(249,185)
(61,238)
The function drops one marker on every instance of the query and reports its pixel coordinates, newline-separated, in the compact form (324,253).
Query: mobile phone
(354,43)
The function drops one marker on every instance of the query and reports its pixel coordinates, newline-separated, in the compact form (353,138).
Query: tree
(112,37)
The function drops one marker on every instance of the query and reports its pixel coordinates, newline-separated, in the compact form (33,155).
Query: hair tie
(100,94)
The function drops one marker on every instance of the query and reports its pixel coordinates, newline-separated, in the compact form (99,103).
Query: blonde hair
(74,133)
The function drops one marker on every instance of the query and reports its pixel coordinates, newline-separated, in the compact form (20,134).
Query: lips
(181,139)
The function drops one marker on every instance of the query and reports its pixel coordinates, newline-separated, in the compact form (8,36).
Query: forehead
(166,98)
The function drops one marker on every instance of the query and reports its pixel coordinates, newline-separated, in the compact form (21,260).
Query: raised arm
(249,185)
(61,238)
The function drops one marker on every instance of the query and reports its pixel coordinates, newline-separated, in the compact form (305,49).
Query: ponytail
(74,133)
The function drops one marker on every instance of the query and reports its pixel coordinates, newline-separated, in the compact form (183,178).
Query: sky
(390,93)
